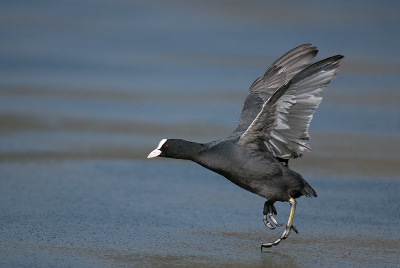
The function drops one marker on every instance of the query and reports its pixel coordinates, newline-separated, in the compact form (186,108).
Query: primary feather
(279,73)
(283,120)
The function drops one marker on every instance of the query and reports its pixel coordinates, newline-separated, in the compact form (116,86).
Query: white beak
(154,153)
(157,151)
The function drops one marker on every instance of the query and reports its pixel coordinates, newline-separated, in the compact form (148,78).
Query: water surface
(88,88)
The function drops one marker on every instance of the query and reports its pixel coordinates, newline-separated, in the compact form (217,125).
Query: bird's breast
(248,169)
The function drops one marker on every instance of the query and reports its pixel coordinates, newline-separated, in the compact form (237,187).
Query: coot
(272,128)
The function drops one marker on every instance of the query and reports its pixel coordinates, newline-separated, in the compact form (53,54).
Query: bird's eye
(165,145)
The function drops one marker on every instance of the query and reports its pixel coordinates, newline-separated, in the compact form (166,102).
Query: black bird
(272,128)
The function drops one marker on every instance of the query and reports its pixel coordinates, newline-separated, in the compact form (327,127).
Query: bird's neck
(188,150)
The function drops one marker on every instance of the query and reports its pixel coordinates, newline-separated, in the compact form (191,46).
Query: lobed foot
(289,225)
(269,210)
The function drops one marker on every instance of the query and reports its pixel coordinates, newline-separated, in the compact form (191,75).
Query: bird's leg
(289,226)
(269,209)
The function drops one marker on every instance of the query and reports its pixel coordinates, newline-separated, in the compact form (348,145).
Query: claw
(269,225)
(274,220)
(289,225)
(269,209)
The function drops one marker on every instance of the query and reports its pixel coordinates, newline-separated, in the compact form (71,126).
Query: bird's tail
(308,190)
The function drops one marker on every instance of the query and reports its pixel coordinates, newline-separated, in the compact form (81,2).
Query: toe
(274,220)
(267,223)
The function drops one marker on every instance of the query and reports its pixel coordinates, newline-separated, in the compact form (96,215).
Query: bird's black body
(256,171)
(272,128)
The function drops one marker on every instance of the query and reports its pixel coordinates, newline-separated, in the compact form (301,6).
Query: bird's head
(177,148)
(161,149)
(172,148)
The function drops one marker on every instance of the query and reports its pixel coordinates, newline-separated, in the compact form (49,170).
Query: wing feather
(279,73)
(283,121)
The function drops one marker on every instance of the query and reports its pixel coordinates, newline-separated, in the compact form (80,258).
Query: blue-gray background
(88,88)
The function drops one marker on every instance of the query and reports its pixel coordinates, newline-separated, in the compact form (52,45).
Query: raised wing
(279,73)
(283,121)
